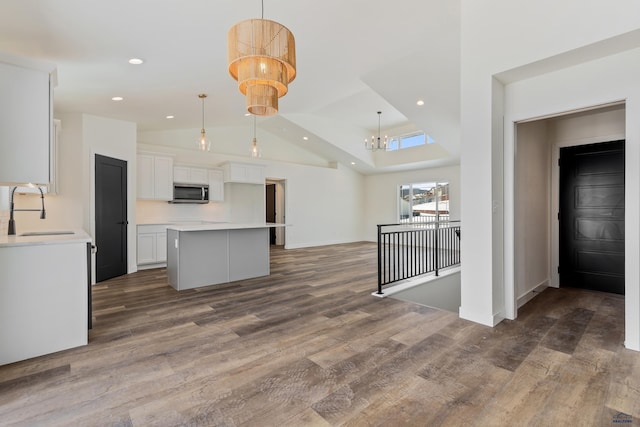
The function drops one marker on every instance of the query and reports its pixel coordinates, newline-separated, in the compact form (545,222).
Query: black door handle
(123,222)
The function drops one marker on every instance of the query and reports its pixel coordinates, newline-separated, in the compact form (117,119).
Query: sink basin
(45,233)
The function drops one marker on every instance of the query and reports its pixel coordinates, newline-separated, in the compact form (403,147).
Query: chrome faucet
(12,222)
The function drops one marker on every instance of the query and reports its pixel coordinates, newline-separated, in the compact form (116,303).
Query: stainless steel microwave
(190,193)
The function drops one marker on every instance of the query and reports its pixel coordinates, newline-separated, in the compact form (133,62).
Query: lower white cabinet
(44,296)
(152,246)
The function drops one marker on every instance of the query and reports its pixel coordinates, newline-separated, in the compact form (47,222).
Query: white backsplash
(157,212)
(4,222)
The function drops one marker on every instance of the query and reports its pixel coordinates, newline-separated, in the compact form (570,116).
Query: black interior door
(592,216)
(271,210)
(111,217)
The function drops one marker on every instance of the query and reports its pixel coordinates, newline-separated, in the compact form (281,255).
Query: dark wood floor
(309,345)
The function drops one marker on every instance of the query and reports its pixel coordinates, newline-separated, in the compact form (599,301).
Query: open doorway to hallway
(537,190)
(275,209)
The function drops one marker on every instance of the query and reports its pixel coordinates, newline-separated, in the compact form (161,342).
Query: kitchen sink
(45,233)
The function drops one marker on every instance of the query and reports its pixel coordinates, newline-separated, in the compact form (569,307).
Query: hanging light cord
(203,113)
(262,16)
(254,128)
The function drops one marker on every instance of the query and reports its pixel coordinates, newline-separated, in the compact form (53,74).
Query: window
(424,202)
(407,141)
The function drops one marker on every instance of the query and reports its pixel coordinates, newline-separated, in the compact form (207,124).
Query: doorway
(591,217)
(270,212)
(536,195)
(111,217)
(275,209)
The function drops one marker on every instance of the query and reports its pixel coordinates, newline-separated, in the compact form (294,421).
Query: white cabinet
(216,185)
(155,177)
(187,175)
(25,124)
(245,173)
(152,246)
(44,303)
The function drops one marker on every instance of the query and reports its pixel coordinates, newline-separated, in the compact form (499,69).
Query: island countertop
(223,226)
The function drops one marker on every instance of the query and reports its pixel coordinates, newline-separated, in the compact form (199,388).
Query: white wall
(323,205)
(532,209)
(381,195)
(505,39)
(81,138)
(116,139)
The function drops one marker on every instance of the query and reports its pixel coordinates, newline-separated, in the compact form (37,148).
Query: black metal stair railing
(410,250)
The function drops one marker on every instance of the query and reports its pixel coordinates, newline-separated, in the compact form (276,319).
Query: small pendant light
(204,144)
(255,151)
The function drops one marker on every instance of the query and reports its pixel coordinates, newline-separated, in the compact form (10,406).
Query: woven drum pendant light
(262,58)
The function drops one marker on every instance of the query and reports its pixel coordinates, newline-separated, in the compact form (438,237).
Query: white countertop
(78,236)
(223,226)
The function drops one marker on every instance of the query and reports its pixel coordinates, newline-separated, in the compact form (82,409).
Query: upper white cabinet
(25,124)
(155,177)
(188,175)
(216,185)
(245,173)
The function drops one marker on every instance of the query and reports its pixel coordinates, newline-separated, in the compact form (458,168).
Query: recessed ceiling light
(136,61)
(170,117)
(117,98)
(420,102)
(247,114)
(305,138)
(353,163)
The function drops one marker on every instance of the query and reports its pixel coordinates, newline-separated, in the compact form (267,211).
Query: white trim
(528,296)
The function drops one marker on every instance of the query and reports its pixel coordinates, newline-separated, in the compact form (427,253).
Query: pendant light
(376,143)
(262,59)
(204,144)
(255,151)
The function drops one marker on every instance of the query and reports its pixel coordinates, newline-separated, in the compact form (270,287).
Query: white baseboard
(528,296)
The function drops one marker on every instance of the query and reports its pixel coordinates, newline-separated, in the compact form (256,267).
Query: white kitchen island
(209,254)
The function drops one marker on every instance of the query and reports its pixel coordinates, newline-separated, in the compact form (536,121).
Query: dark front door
(111,217)
(270,215)
(592,216)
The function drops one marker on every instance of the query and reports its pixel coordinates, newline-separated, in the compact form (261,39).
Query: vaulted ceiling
(354,58)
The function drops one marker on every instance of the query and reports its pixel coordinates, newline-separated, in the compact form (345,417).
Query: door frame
(90,217)
(281,215)
(126,211)
(507,146)
(554,276)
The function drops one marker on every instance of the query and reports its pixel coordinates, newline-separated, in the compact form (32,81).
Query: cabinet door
(254,174)
(181,174)
(216,185)
(199,176)
(161,247)
(146,248)
(244,173)
(145,177)
(163,178)
(25,125)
